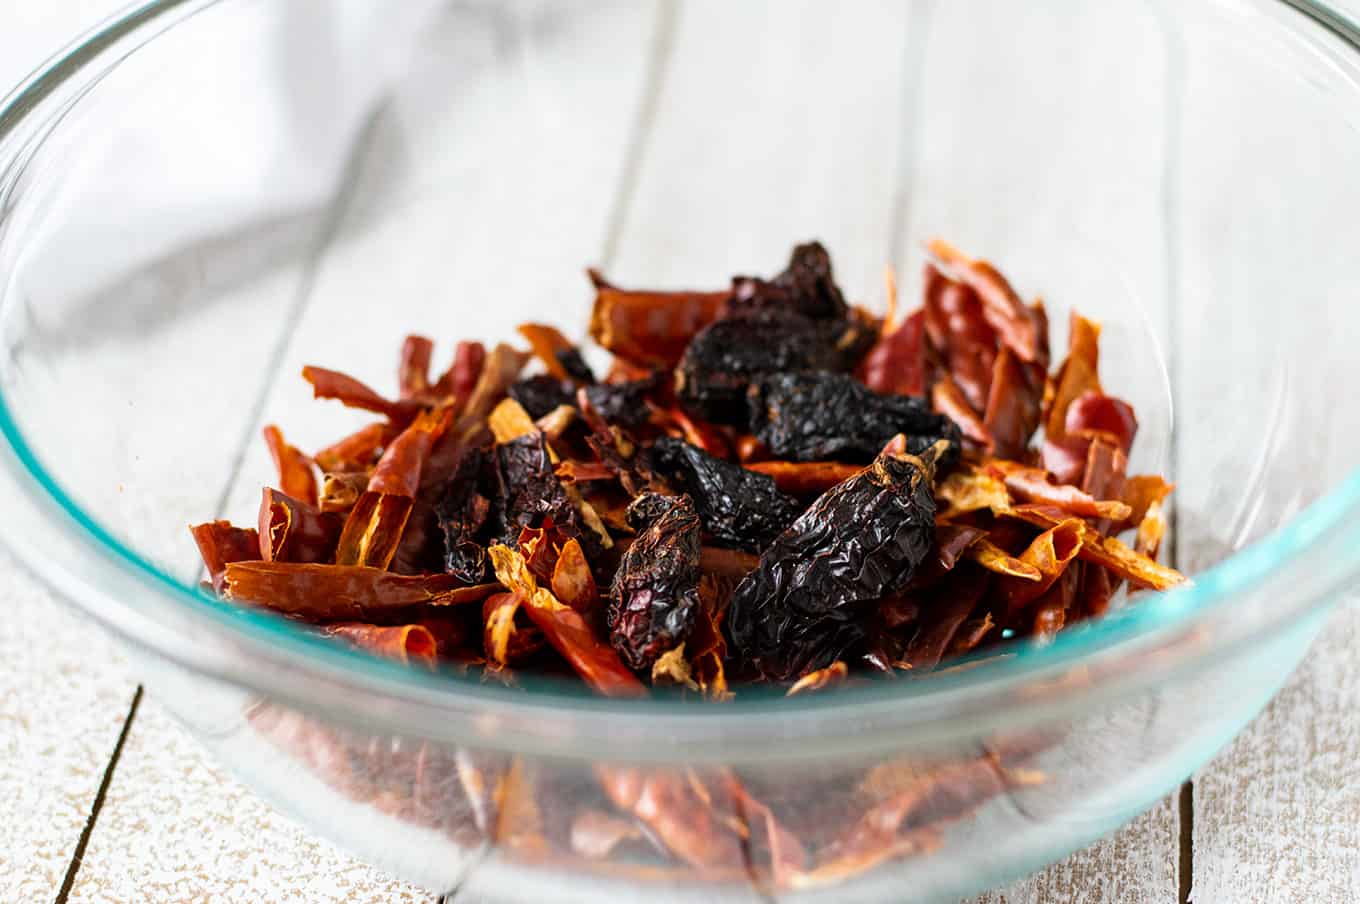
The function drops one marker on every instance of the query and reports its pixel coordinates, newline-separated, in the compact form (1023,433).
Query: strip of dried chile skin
(803,606)
(655,595)
(738,507)
(827,416)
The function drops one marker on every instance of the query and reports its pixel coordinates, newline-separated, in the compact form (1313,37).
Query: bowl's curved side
(1255,592)
(401,803)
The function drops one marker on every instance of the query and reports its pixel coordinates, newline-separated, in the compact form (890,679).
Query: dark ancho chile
(655,594)
(803,606)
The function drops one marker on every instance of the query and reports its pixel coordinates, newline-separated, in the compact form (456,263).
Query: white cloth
(244,115)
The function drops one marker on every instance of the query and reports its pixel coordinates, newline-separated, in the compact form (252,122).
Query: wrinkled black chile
(728,355)
(623,403)
(738,507)
(530,493)
(655,595)
(618,403)
(804,606)
(834,417)
(540,394)
(648,508)
(575,366)
(796,322)
(807,286)
(462,514)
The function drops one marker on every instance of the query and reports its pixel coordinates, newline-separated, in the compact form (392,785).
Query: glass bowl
(197,198)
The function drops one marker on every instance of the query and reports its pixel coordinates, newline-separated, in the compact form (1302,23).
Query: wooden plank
(1032,152)
(740,168)
(64,689)
(1130,865)
(1262,221)
(176,827)
(468,212)
(1275,812)
(64,693)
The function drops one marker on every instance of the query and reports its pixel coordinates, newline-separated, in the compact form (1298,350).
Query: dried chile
(821,416)
(648,508)
(655,594)
(738,507)
(623,403)
(803,607)
(462,514)
(575,366)
(542,393)
(798,321)
(807,285)
(730,354)
(529,494)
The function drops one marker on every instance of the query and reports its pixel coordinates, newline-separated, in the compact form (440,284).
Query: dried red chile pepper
(655,595)
(804,605)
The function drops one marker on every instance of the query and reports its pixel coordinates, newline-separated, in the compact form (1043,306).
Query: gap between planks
(1170,177)
(69,881)
(1186,866)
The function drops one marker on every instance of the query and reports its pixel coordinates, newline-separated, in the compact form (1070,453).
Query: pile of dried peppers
(768,485)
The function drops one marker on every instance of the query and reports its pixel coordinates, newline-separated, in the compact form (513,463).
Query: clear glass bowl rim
(275,658)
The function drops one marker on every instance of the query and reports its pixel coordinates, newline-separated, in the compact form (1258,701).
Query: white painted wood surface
(1275,816)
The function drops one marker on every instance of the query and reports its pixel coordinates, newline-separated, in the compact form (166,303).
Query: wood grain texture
(1132,865)
(1276,815)
(63,696)
(176,828)
(64,688)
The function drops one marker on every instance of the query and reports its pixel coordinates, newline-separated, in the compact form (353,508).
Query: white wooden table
(106,800)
